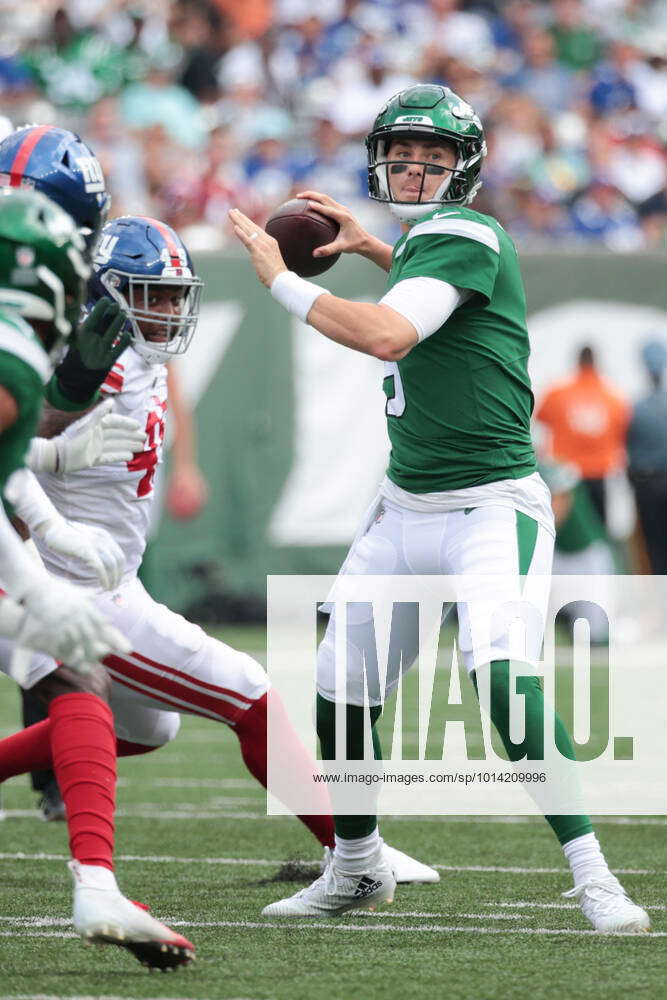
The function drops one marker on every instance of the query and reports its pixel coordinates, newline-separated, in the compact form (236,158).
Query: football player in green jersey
(43,275)
(462,496)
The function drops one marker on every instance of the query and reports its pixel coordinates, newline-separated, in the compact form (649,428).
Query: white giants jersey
(116,497)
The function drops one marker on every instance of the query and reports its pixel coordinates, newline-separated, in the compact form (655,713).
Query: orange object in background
(587,418)
(252,17)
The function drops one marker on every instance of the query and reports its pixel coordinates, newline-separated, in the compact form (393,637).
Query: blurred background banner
(292,429)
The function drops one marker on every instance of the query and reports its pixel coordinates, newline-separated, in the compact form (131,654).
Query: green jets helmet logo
(464,111)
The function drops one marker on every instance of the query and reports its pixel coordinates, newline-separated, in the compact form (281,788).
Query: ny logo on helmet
(91,170)
(104,250)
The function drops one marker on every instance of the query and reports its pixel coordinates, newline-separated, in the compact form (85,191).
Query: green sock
(348,827)
(566,828)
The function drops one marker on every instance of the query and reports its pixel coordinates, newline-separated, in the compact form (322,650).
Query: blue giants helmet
(135,259)
(61,166)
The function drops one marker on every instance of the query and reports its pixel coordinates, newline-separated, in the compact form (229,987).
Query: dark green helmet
(427,110)
(43,273)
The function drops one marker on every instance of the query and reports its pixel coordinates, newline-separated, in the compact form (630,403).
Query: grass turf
(461,939)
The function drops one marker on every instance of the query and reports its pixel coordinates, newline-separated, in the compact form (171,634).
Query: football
(299,230)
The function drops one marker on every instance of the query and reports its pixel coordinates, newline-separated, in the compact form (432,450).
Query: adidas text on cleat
(338,890)
(102,915)
(605,903)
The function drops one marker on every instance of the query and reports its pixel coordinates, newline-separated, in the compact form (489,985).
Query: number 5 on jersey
(393,390)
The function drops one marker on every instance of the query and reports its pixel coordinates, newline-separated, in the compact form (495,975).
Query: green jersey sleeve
(464,252)
(24,384)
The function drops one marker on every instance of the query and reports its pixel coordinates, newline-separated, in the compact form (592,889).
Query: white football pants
(484,541)
(174,667)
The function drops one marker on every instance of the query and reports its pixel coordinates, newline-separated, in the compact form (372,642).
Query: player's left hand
(264,251)
(187,492)
(94,547)
(99,340)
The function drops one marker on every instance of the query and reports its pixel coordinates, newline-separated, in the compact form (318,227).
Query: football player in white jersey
(174,665)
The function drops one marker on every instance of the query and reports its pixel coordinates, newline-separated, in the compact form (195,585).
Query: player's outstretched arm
(371,329)
(352,237)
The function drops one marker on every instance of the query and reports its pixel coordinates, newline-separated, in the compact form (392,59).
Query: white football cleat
(610,910)
(405,868)
(339,890)
(102,915)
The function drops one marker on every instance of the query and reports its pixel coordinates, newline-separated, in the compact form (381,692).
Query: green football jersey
(459,404)
(24,367)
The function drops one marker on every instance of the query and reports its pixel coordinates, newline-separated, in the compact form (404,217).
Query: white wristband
(42,455)
(296,294)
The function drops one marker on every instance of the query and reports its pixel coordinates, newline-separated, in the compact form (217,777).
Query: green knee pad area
(531,747)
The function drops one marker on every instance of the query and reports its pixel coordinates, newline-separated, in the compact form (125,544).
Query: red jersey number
(147,460)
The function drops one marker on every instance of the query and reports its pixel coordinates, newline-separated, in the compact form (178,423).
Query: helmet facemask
(169,334)
(459,184)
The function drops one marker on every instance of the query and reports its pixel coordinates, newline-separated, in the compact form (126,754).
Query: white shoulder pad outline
(477,231)
(23,344)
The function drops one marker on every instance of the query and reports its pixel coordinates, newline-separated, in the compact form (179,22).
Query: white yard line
(555,906)
(197,783)
(174,922)
(273,862)
(368,927)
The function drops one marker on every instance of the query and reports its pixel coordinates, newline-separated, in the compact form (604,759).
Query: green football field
(193,841)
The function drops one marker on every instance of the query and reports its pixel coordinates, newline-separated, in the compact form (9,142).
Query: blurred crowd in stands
(195,105)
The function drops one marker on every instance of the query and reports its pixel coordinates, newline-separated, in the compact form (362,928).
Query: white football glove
(79,634)
(92,546)
(105,438)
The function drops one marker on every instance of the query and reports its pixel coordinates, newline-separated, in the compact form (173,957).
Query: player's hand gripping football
(264,252)
(352,237)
